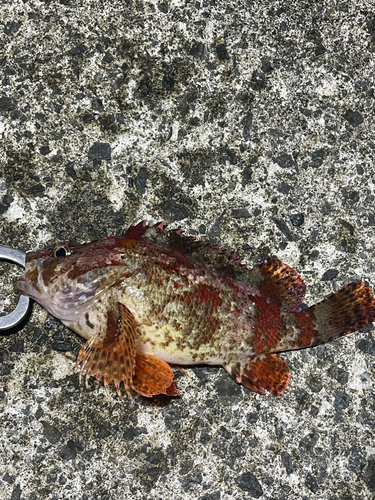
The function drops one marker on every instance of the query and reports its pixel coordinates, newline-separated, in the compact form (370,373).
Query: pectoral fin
(265,372)
(112,356)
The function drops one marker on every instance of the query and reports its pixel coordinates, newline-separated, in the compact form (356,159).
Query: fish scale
(153,297)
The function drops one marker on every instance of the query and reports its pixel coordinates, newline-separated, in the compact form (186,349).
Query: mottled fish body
(152,297)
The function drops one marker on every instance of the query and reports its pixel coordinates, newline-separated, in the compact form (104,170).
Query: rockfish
(153,297)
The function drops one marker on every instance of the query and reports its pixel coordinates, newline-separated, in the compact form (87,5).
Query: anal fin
(264,372)
(153,376)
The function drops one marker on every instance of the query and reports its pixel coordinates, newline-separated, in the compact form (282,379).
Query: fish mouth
(21,284)
(28,282)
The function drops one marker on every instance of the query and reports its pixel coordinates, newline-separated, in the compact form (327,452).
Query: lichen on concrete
(249,123)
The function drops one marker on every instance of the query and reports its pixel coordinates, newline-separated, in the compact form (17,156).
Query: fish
(153,297)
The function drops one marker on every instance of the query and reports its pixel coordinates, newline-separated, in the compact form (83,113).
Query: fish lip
(19,281)
(22,286)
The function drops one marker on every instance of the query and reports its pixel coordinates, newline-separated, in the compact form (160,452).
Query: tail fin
(346,311)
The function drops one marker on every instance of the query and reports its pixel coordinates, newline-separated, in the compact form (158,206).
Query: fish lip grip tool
(17,315)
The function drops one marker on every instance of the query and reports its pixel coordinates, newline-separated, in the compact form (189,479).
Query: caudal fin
(346,311)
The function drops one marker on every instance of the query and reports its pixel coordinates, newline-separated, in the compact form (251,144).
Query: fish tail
(346,311)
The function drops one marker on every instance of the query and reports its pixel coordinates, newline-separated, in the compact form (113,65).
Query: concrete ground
(249,123)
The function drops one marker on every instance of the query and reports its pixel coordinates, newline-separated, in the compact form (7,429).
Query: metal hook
(12,319)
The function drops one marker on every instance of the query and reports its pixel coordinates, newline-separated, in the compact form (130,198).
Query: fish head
(69,277)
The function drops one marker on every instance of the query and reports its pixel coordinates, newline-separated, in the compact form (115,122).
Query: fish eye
(62,251)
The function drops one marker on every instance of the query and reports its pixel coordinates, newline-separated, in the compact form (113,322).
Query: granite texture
(249,123)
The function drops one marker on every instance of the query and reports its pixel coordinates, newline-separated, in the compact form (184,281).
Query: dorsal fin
(142,231)
(273,278)
(213,256)
(158,234)
(279,282)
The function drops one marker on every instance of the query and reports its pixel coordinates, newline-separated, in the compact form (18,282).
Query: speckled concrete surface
(245,122)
